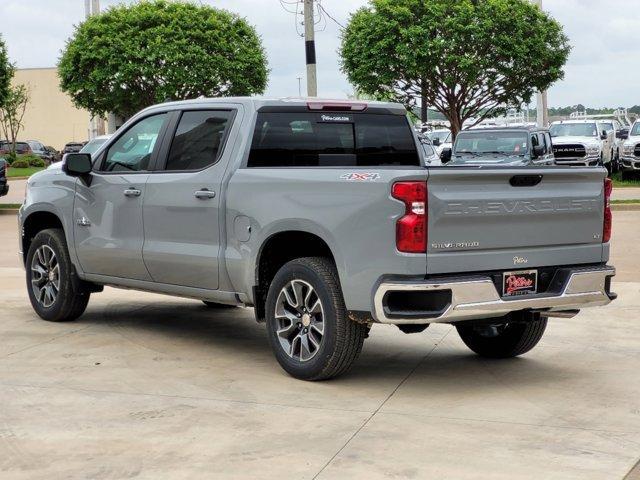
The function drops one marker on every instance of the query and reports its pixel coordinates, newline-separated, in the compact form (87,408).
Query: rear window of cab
(332,139)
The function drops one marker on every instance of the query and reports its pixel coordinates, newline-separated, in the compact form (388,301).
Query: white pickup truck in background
(582,143)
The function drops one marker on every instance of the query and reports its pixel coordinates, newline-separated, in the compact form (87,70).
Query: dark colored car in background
(21,148)
(504,146)
(72,147)
(40,150)
(4,184)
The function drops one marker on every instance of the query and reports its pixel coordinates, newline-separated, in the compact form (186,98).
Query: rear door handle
(132,192)
(204,194)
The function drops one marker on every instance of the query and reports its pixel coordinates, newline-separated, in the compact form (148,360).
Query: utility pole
(96,124)
(542,111)
(310,49)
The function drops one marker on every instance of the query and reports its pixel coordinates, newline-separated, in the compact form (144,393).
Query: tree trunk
(456,122)
(424,108)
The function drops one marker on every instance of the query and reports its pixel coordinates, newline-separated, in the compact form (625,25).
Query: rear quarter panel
(355,218)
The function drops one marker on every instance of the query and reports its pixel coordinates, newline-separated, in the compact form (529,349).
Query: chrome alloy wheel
(45,276)
(300,320)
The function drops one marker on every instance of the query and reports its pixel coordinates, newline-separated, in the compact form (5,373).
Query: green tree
(467,58)
(12,114)
(130,57)
(6,72)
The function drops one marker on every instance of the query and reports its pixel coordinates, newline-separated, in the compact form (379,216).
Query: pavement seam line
(634,473)
(180,397)
(368,419)
(52,339)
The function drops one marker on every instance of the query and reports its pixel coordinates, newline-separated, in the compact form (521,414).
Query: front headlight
(628,149)
(593,149)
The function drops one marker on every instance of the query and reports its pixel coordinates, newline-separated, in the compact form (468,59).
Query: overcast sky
(603,69)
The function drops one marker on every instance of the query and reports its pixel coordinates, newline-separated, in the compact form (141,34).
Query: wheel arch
(33,223)
(279,248)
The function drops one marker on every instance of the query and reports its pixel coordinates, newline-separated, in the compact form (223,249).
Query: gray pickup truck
(323,217)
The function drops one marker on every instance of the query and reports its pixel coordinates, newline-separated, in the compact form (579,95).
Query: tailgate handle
(525,180)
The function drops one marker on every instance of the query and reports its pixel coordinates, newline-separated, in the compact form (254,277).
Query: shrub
(36,162)
(20,163)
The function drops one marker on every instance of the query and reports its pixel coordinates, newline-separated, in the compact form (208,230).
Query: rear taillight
(411,229)
(608,218)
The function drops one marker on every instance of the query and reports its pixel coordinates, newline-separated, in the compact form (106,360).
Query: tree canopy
(130,57)
(6,73)
(466,58)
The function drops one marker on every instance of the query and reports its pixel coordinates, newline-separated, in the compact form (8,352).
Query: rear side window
(344,139)
(198,140)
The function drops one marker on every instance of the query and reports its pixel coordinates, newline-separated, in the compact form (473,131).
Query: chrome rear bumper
(477,297)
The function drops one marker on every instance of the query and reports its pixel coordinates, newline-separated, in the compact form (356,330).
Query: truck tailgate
(503,218)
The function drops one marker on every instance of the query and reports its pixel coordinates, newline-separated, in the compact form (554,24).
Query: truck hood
(572,140)
(488,160)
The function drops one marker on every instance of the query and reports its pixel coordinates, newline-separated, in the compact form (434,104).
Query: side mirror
(538,151)
(436,142)
(623,134)
(77,164)
(604,135)
(445,156)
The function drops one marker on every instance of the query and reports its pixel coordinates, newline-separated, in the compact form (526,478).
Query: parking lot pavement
(626,193)
(146,386)
(16,192)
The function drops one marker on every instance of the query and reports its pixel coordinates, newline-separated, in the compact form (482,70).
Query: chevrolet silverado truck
(323,217)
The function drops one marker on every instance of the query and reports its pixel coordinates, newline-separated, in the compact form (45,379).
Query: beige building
(50,116)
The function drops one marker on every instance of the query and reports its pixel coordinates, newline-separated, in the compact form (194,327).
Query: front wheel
(54,289)
(510,336)
(307,323)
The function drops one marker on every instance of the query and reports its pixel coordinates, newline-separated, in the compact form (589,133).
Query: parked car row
(583,142)
(31,147)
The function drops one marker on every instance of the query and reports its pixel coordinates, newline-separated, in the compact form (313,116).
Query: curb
(9,211)
(625,207)
(17,178)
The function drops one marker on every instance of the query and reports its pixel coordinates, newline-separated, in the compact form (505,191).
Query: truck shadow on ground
(193,330)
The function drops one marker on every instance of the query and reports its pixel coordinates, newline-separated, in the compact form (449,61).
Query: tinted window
(132,151)
(198,140)
(501,143)
(308,139)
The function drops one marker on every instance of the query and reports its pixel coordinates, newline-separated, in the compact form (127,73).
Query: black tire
(342,338)
(217,305)
(509,337)
(71,299)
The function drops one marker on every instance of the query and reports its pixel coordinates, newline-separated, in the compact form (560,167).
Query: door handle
(132,192)
(204,194)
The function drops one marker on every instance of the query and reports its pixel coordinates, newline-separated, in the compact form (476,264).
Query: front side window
(133,150)
(306,139)
(636,129)
(198,140)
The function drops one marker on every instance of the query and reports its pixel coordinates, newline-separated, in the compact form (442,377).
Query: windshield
(574,130)
(443,136)
(470,145)
(636,129)
(93,145)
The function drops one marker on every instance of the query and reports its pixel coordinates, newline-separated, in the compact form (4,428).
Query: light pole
(96,124)
(310,48)
(542,112)
(299,86)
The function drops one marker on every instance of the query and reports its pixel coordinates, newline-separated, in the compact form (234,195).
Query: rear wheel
(510,336)
(55,291)
(307,324)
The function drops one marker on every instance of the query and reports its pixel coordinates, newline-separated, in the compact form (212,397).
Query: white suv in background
(582,143)
(630,154)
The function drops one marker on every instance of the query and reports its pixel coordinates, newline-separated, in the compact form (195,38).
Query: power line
(324,10)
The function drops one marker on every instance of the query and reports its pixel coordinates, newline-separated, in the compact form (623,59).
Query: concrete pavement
(146,386)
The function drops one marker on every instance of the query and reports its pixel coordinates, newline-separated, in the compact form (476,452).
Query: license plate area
(523,282)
